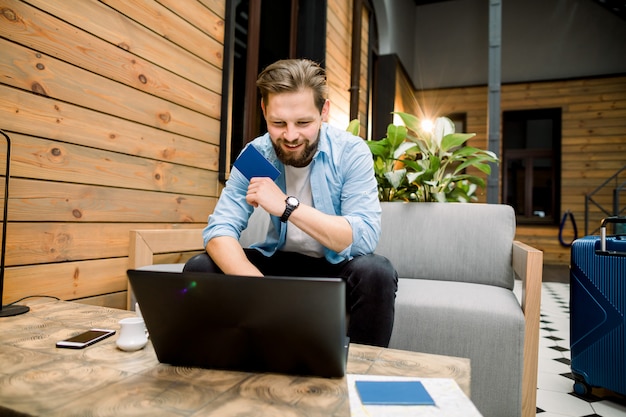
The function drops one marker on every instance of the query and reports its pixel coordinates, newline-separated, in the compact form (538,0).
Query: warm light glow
(427,125)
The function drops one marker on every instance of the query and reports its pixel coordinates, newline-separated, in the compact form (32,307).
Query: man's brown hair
(293,75)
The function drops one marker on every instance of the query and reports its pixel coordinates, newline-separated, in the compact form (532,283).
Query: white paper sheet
(450,400)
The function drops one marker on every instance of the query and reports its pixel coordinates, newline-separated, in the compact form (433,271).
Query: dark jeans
(371,285)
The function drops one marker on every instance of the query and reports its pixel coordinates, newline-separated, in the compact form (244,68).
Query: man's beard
(300,160)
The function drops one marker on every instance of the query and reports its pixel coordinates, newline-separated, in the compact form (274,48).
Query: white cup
(132,334)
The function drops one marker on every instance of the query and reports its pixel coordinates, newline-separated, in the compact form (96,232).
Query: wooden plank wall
(364,103)
(113,108)
(593,140)
(338,53)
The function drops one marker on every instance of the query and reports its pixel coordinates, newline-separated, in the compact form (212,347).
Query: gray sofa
(455,294)
(457,264)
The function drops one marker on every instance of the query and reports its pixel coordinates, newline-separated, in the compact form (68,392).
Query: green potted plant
(413,163)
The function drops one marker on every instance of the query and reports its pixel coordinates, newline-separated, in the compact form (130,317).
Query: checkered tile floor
(555,396)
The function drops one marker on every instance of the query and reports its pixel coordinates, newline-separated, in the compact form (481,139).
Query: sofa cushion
(481,322)
(449,241)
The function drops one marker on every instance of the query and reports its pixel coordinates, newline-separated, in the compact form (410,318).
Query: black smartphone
(85,339)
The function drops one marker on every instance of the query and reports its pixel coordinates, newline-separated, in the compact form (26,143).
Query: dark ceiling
(614,6)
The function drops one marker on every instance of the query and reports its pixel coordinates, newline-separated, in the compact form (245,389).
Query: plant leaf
(396,135)
(455,139)
(486,168)
(410,121)
(403,148)
(412,176)
(435,162)
(395,177)
(440,196)
(412,164)
(465,151)
(354,127)
(378,147)
(443,127)
(472,179)
(478,163)
(379,165)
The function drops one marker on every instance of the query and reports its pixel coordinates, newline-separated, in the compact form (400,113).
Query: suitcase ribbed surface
(597,313)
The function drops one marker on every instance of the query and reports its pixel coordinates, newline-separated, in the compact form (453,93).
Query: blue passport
(393,393)
(252,164)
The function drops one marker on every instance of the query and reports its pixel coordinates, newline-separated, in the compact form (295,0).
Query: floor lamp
(9,309)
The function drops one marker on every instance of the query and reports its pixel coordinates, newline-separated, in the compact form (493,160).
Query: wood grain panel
(46,242)
(52,119)
(217,6)
(56,161)
(209,18)
(39,31)
(546,239)
(338,36)
(172,27)
(599,106)
(134,38)
(112,300)
(339,23)
(31,70)
(364,97)
(66,280)
(33,200)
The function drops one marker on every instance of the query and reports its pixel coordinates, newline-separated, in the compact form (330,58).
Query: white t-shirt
(299,185)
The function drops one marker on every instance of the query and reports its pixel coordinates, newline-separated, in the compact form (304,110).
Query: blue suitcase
(597,311)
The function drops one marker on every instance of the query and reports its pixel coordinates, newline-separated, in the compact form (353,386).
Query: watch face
(292,201)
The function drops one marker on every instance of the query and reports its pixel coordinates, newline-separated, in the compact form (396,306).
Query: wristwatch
(292,204)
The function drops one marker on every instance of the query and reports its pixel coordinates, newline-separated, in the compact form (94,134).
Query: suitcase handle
(612,219)
(615,220)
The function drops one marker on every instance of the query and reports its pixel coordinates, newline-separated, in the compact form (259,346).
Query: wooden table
(36,378)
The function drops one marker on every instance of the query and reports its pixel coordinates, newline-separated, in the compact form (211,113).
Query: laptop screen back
(270,324)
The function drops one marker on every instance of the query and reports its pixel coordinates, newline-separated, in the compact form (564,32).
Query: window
(459,120)
(531,164)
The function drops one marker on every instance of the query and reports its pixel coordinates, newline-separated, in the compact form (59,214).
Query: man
(325,213)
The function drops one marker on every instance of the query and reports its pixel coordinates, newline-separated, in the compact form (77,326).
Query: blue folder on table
(393,393)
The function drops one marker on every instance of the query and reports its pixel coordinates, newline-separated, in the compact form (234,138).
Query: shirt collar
(323,144)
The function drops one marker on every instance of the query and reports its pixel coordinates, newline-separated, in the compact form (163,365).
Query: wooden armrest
(528,265)
(144,244)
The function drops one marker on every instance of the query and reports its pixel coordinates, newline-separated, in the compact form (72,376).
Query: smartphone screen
(85,339)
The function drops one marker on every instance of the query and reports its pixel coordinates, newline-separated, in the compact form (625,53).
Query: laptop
(271,324)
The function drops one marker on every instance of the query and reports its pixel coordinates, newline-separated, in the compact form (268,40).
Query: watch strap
(289,208)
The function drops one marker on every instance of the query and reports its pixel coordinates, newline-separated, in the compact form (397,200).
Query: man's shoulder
(262,142)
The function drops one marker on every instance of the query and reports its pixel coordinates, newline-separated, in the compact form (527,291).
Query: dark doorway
(531,161)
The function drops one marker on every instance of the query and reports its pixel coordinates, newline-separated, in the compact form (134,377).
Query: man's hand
(265,193)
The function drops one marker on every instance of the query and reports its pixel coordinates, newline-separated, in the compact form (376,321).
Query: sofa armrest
(528,265)
(144,244)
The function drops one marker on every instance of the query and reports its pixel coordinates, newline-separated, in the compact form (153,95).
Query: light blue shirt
(342,183)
